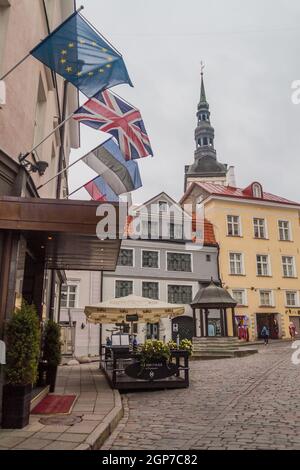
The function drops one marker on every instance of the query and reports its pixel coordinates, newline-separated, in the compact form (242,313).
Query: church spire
(202,91)
(204,132)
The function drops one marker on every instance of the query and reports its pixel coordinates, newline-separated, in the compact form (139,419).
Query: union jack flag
(110,113)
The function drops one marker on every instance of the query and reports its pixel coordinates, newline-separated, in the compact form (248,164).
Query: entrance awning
(62,232)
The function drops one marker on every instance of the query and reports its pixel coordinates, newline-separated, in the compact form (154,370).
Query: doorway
(182,326)
(271,322)
(67,334)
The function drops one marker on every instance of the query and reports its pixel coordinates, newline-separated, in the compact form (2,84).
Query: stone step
(38,395)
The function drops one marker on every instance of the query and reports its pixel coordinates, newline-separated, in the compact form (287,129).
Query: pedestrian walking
(265,333)
(292,330)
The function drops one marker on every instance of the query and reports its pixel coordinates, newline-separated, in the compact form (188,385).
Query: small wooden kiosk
(121,361)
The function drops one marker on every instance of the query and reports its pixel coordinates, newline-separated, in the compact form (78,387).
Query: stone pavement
(97,409)
(242,403)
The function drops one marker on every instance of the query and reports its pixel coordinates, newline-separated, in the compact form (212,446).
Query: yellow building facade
(259,260)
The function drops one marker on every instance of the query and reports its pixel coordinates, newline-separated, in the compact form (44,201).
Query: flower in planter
(172,345)
(154,350)
(186,345)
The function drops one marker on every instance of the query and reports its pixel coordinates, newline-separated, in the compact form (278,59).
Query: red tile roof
(209,235)
(229,191)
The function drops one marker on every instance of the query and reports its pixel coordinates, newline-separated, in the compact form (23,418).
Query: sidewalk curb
(95,440)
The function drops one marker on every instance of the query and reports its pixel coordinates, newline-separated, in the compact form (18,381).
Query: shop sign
(151,371)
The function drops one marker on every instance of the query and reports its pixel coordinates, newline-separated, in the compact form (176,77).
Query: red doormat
(55,404)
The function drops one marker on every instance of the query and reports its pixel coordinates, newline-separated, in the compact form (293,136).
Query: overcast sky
(251,52)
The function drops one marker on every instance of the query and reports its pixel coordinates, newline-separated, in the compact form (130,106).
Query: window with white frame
(266,298)
(233,225)
(291,297)
(123,288)
(180,294)
(240,296)
(257,190)
(69,295)
(259,228)
(263,265)
(125,257)
(284,230)
(150,290)
(236,263)
(288,266)
(179,262)
(150,259)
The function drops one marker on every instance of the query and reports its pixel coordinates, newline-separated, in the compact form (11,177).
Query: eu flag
(79,54)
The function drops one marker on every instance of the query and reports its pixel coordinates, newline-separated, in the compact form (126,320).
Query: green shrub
(52,343)
(23,346)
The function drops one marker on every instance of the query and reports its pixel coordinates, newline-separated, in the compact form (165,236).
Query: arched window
(257,190)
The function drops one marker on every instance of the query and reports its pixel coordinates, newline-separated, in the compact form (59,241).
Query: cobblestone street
(244,403)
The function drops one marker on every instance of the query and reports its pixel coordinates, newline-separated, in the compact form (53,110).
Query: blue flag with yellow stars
(78,53)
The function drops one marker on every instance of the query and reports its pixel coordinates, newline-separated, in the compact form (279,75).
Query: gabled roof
(233,192)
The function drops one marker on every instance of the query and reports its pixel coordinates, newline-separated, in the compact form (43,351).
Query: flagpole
(80,187)
(60,172)
(28,55)
(71,164)
(25,155)
(14,67)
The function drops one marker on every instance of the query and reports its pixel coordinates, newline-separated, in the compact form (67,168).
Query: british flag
(110,113)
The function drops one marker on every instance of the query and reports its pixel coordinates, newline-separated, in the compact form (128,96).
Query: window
(208,258)
(262,265)
(288,266)
(150,259)
(284,230)
(180,294)
(291,298)
(69,295)
(266,298)
(4,18)
(175,231)
(40,114)
(211,141)
(236,263)
(233,225)
(150,290)
(179,262)
(163,206)
(125,257)
(239,296)
(205,141)
(123,288)
(257,190)
(150,229)
(259,228)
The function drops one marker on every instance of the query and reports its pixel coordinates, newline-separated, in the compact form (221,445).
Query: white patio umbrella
(147,310)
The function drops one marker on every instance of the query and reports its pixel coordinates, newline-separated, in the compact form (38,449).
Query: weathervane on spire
(202,65)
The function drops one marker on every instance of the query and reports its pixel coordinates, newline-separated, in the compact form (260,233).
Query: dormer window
(257,190)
